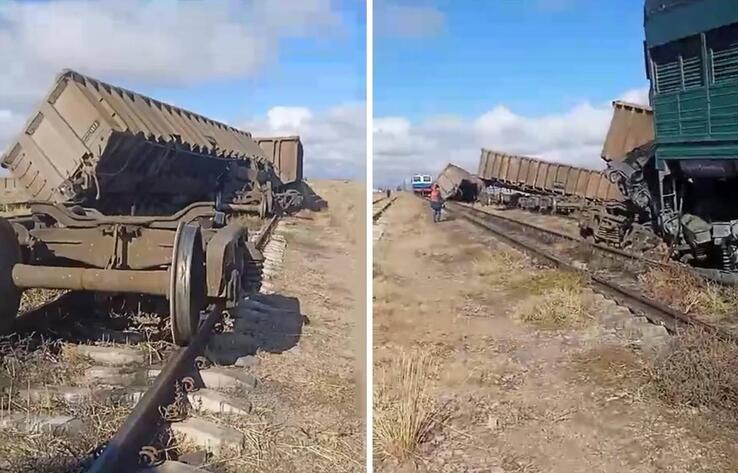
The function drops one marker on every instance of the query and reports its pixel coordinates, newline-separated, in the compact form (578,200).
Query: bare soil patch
(521,396)
(309,406)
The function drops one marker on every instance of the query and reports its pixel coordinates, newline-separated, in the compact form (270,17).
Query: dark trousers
(436,207)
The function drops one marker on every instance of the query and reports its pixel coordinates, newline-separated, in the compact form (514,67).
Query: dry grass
(680,288)
(270,447)
(698,370)
(549,280)
(50,452)
(39,362)
(502,268)
(558,308)
(404,411)
(33,298)
(558,301)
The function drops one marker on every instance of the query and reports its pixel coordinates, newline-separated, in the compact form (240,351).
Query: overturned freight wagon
(456,183)
(572,185)
(129,195)
(535,184)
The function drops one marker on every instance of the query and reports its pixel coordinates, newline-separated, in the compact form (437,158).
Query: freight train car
(574,186)
(109,148)
(456,183)
(558,188)
(285,154)
(136,200)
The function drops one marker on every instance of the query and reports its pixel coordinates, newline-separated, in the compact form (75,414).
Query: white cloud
(637,96)
(171,43)
(403,148)
(334,140)
(407,21)
(160,43)
(288,117)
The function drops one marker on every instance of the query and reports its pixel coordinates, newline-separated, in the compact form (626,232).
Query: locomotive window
(426,179)
(722,45)
(678,65)
(416,179)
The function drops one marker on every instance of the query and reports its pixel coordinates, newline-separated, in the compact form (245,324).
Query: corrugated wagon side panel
(523,164)
(513,169)
(505,169)
(572,178)
(581,187)
(542,175)
(497,166)
(530,174)
(484,164)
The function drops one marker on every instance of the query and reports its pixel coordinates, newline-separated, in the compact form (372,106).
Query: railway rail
(133,445)
(614,274)
(376,214)
(130,446)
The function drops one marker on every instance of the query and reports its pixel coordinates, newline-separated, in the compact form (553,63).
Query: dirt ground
(504,394)
(312,389)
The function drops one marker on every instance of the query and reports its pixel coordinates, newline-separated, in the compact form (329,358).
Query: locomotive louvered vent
(723,46)
(678,66)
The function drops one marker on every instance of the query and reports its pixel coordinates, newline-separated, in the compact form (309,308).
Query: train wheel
(187,289)
(9,294)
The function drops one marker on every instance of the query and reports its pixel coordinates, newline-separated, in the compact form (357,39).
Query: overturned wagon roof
(86,127)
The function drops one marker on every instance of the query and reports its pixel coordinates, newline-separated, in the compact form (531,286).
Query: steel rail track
(654,311)
(122,452)
(378,213)
(565,236)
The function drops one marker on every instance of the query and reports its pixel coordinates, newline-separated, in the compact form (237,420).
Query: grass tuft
(558,308)
(558,300)
(697,370)
(404,411)
(680,288)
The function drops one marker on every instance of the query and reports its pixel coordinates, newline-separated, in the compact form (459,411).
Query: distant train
(422,184)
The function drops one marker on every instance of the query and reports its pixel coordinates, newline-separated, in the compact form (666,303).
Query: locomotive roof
(670,20)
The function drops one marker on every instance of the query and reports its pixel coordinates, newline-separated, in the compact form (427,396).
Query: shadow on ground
(271,323)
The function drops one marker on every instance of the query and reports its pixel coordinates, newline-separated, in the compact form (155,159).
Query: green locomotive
(686,181)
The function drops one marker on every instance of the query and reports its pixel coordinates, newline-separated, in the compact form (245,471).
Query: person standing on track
(436,202)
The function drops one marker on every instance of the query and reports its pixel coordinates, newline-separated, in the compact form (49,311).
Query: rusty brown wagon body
(458,184)
(285,154)
(129,195)
(537,176)
(538,185)
(631,126)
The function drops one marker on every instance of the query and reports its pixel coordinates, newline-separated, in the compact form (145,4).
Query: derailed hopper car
(131,195)
(559,188)
(458,184)
(539,177)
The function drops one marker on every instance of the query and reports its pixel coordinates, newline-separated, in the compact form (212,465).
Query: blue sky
(536,56)
(532,77)
(316,72)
